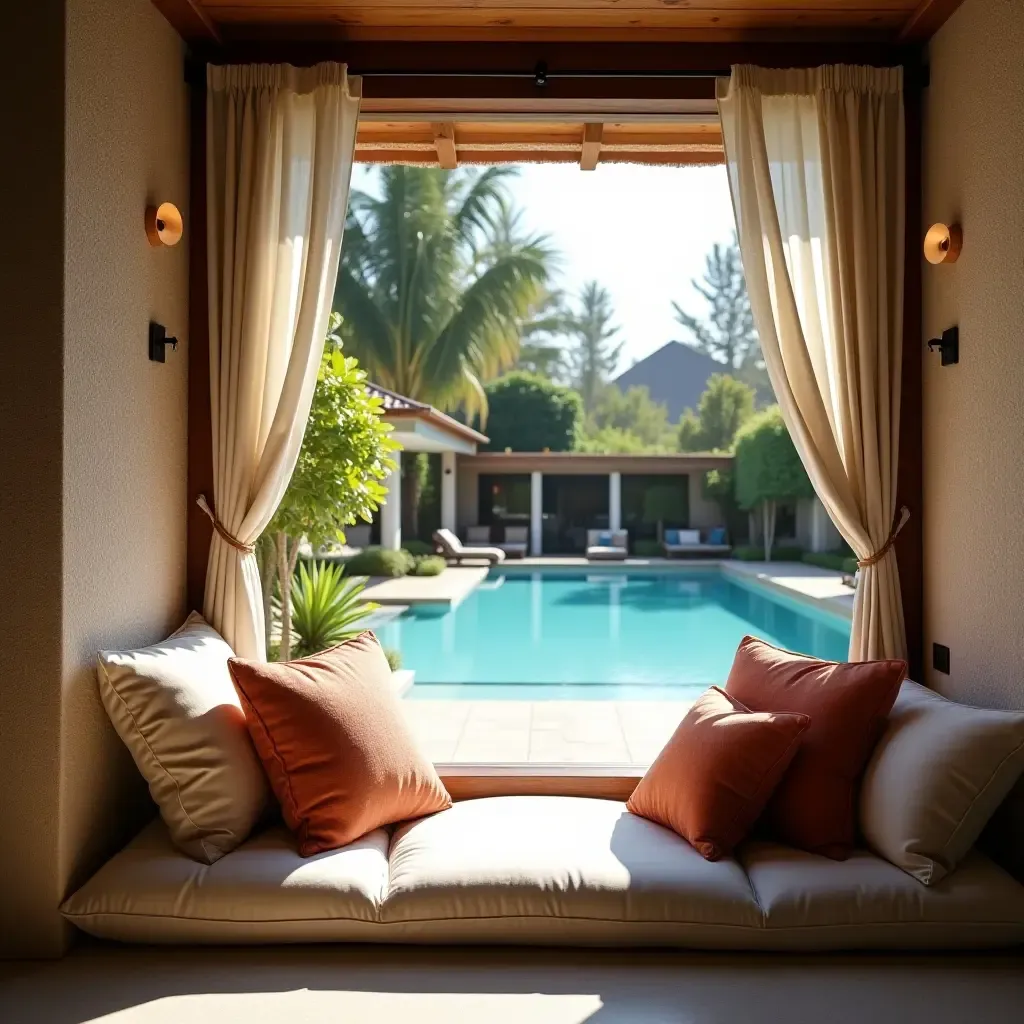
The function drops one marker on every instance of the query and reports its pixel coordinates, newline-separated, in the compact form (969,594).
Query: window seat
(543,870)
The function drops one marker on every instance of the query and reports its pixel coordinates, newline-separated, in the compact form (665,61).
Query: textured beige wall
(101,463)
(974,412)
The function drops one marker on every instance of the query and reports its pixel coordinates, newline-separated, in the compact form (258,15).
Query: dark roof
(675,375)
(395,404)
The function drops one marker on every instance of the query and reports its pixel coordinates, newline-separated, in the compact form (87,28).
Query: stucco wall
(102,463)
(974,412)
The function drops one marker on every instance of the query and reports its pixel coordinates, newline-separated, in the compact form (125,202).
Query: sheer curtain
(816,167)
(280,142)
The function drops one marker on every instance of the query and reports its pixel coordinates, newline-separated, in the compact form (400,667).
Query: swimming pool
(600,635)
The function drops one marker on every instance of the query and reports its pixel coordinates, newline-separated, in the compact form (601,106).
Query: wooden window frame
(506,98)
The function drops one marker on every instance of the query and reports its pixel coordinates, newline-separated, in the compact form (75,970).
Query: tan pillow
(333,738)
(176,709)
(938,774)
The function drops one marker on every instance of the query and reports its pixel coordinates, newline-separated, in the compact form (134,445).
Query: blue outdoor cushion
(717,535)
(671,536)
(604,539)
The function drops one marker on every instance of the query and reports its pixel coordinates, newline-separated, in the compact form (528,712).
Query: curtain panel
(280,146)
(816,168)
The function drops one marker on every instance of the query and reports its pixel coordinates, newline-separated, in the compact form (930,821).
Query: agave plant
(326,607)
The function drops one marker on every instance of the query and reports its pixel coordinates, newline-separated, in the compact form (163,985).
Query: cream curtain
(816,167)
(280,142)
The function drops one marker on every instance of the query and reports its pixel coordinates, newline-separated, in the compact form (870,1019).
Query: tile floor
(566,732)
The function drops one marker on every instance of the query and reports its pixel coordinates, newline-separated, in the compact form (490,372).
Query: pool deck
(552,731)
(449,588)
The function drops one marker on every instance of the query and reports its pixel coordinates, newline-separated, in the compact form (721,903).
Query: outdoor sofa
(455,551)
(541,870)
(688,542)
(607,545)
(516,542)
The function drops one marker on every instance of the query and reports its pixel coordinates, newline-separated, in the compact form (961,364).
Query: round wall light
(164,224)
(943,242)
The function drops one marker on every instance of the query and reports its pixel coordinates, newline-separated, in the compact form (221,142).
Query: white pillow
(176,709)
(938,774)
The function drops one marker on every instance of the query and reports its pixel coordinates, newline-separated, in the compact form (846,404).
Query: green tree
(542,335)
(767,470)
(434,285)
(724,407)
(727,333)
(632,412)
(593,354)
(529,413)
(345,456)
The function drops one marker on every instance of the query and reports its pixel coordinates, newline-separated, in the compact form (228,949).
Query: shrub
(428,565)
(377,561)
(394,657)
(837,561)
(416,548)
(644,547)
(780,553)
(326,607)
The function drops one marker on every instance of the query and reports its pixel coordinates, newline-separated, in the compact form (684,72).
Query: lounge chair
(455,551)
(607,546)
(688,542)
(516,542)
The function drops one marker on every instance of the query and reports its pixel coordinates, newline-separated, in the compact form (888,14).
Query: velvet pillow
(718,770)
(335,745)
(814,807)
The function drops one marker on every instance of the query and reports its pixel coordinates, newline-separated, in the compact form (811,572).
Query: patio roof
(422,428)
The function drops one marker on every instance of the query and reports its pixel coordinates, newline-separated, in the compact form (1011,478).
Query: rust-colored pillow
(814,807)
(718,770)
(330,732)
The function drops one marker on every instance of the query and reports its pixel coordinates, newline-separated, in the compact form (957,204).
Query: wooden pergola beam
(591,151)
(927,18)
(444,143)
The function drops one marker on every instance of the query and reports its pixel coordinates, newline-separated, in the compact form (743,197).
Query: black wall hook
(948,345)
(158,342)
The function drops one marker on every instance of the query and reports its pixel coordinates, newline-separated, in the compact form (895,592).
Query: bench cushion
(563,869)
(262,892)
(865,902)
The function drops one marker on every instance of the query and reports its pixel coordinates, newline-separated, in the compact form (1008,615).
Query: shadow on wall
(507,986)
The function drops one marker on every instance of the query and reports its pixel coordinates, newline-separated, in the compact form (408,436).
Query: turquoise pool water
(600,635)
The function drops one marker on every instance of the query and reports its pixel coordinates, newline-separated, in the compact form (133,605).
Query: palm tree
(595,355)
(435,281)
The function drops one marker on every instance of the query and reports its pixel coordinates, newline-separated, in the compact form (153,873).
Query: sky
(641,231)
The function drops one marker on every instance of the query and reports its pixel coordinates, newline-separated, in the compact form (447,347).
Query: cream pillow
(938,774)
(176,709)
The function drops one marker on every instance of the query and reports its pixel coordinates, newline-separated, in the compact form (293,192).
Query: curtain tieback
(246,549)
(890,540)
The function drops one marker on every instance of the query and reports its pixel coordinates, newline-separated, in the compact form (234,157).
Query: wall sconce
(164,225)
(943,242)
(948,345)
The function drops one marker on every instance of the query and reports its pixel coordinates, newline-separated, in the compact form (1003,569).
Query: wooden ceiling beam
(927,18)
(190,19)
(444,143)
(591,151)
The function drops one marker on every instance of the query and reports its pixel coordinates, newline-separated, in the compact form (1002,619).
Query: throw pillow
(718,770)
(938,774)
(814,807)
(334,742)
(176,710)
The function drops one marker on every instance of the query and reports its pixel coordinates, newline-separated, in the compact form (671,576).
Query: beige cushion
(560,869)
(176,709)
(936,777)
(263,892)
(864,902)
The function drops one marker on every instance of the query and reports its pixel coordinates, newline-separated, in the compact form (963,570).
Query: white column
(820,523)
(536,512)
(391,509)
(448,491)
(614,501)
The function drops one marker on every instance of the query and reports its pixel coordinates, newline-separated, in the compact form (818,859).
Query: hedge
(780,553)
(834,560)
(377,561)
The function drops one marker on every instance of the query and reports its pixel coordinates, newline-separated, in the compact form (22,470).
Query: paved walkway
(562,731)
(450,587)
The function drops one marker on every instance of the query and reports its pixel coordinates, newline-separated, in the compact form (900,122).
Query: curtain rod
(542,74)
